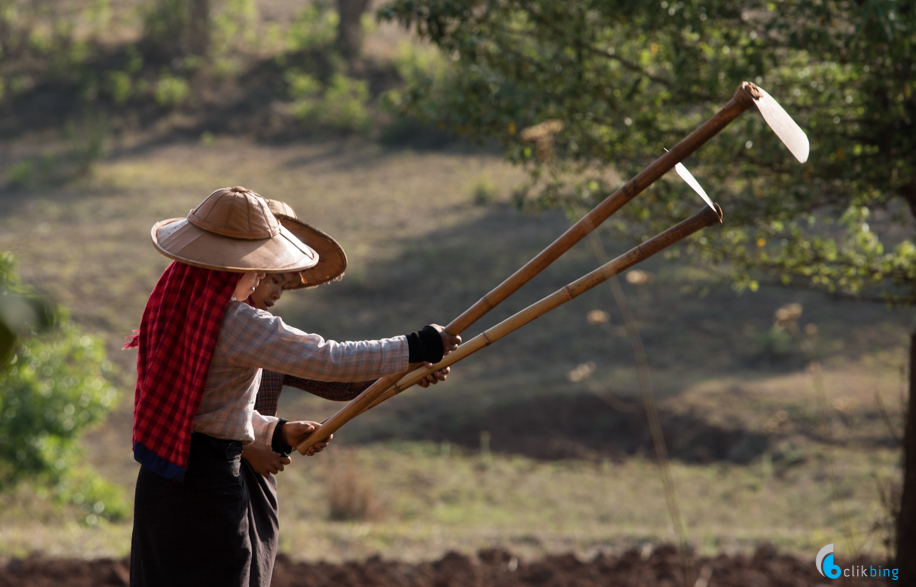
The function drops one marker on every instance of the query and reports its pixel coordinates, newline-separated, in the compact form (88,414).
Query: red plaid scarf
(176,339)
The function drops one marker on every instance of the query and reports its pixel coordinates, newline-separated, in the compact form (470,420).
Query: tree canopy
(575,89)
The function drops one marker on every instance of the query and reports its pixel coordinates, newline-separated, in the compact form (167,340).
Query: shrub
(166,26)
(484,191)
(20,173)
(171,90)
(341,105)
(315,28)
(418,66)
(120,86)
(344,104)
(54,387)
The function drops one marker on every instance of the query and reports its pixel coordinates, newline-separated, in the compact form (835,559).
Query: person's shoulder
(242,316)
(244,308)
(237,308)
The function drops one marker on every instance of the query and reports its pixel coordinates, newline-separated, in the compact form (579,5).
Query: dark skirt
(194,532)
(263,524)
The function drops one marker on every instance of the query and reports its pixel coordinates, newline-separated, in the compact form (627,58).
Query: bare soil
(489,568)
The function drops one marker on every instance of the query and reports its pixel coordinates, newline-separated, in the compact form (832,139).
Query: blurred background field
(784,433)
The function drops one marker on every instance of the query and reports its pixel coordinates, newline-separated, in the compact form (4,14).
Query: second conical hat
(332,260)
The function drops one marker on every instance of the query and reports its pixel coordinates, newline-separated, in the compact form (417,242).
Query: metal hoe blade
(692,182)
(791,135)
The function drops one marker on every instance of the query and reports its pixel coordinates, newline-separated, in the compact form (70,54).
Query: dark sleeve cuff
(277,443)
(425,345)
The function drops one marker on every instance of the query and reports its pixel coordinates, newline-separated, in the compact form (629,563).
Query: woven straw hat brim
(332,260)
(180,240)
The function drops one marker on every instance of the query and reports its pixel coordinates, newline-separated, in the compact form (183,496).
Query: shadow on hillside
(518,392)
(690,324)
(583,427)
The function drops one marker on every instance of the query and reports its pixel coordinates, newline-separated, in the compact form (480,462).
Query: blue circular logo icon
(825,565)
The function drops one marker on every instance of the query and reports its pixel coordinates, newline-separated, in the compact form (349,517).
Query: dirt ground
(490,568)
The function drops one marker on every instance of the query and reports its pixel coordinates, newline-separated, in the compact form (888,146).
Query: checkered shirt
(251,339)
(272,385)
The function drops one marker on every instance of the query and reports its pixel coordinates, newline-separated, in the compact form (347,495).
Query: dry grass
(437,501)
(351,494)
(461,501)
(421,250)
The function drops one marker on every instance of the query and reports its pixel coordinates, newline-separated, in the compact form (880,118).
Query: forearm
(330,390)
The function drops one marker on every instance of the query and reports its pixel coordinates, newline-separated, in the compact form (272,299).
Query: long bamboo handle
(741,101)
(707,217)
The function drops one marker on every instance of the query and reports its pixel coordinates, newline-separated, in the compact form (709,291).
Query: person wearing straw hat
(201,348)
(261,464)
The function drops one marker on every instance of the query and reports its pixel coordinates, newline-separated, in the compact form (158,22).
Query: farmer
(261,463)
(201,349)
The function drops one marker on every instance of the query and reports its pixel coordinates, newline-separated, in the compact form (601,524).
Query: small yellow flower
(761,242)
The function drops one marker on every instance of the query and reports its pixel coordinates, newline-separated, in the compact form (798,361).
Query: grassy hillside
(774,437)
(743,413)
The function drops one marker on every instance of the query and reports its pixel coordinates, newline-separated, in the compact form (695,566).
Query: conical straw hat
(233,230)
(332,260)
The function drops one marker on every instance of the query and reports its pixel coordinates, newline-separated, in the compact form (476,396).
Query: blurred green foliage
(171,90)
(419,67)
(627,79)
(54,382)
(340,104)
(62,64)
(166,25)
(20,312)
(314,28)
